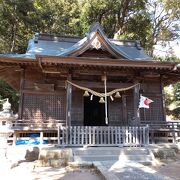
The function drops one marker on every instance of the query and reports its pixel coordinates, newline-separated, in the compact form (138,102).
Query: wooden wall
(152,89)
(41,102)
(50,103)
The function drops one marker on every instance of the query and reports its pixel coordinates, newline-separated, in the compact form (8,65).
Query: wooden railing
(164,131)
(103,136)
(32,124)
(162,124)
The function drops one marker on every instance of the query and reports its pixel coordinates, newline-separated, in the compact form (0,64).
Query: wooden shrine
(56,73)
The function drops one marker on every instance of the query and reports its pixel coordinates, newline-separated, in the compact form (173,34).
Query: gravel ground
(171,168)
(26,171)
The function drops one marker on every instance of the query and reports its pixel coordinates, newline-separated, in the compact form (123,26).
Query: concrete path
(128,171)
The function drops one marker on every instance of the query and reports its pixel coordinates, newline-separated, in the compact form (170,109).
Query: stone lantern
(6,118)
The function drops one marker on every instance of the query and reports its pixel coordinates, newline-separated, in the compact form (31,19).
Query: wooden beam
(31,91)
(43,87)
(106,62)
(150,74)
(12,61)
(113,73)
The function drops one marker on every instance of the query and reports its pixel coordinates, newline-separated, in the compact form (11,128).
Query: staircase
(113,154)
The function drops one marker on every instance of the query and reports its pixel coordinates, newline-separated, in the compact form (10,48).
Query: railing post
(58,134)
(41,137)
(147,134)
(174,133)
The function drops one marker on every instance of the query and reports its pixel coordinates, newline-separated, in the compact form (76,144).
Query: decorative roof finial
(36,37)
(95,27)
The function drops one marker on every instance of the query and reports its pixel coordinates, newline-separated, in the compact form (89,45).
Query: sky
(171,47)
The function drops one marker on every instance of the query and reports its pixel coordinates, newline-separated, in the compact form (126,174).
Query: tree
(165,18)
(173,101)
(125,18)
(16,20)
(146,20)
(20,19)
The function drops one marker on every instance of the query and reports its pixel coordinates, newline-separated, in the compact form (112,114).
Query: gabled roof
(49,45)
(95,39)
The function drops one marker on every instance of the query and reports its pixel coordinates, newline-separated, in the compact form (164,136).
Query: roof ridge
(95,26)
(53,37)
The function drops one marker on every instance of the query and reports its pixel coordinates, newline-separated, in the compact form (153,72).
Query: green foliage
(170,58)
(16,20)
(134,19)
(135,31)
(173,100)
(7,92)
(164,16)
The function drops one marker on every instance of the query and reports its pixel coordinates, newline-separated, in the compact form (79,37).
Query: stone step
(109,154)
(91,158)
(110,151)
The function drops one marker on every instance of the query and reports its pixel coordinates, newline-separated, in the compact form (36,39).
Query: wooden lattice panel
(115,112)
(130,109)
(44,107)
(154,113)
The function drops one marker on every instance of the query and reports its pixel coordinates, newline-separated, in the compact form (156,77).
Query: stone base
(54,157)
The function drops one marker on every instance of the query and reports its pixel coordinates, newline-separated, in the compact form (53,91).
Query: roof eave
(16,60)
(106,62)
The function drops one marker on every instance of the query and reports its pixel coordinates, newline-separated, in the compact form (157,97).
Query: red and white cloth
(144,102)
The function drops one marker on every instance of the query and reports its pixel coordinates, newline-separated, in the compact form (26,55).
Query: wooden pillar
(41,137)
(152,136)
(68,101)
(124,110)
(163,99)
(136,104)
(20,112)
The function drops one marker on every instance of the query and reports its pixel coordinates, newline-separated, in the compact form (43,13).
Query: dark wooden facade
(44,96)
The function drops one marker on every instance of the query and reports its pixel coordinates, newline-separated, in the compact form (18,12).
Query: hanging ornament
(86,94)
(112,99)
(91,98)
(101,100)
(117,95)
